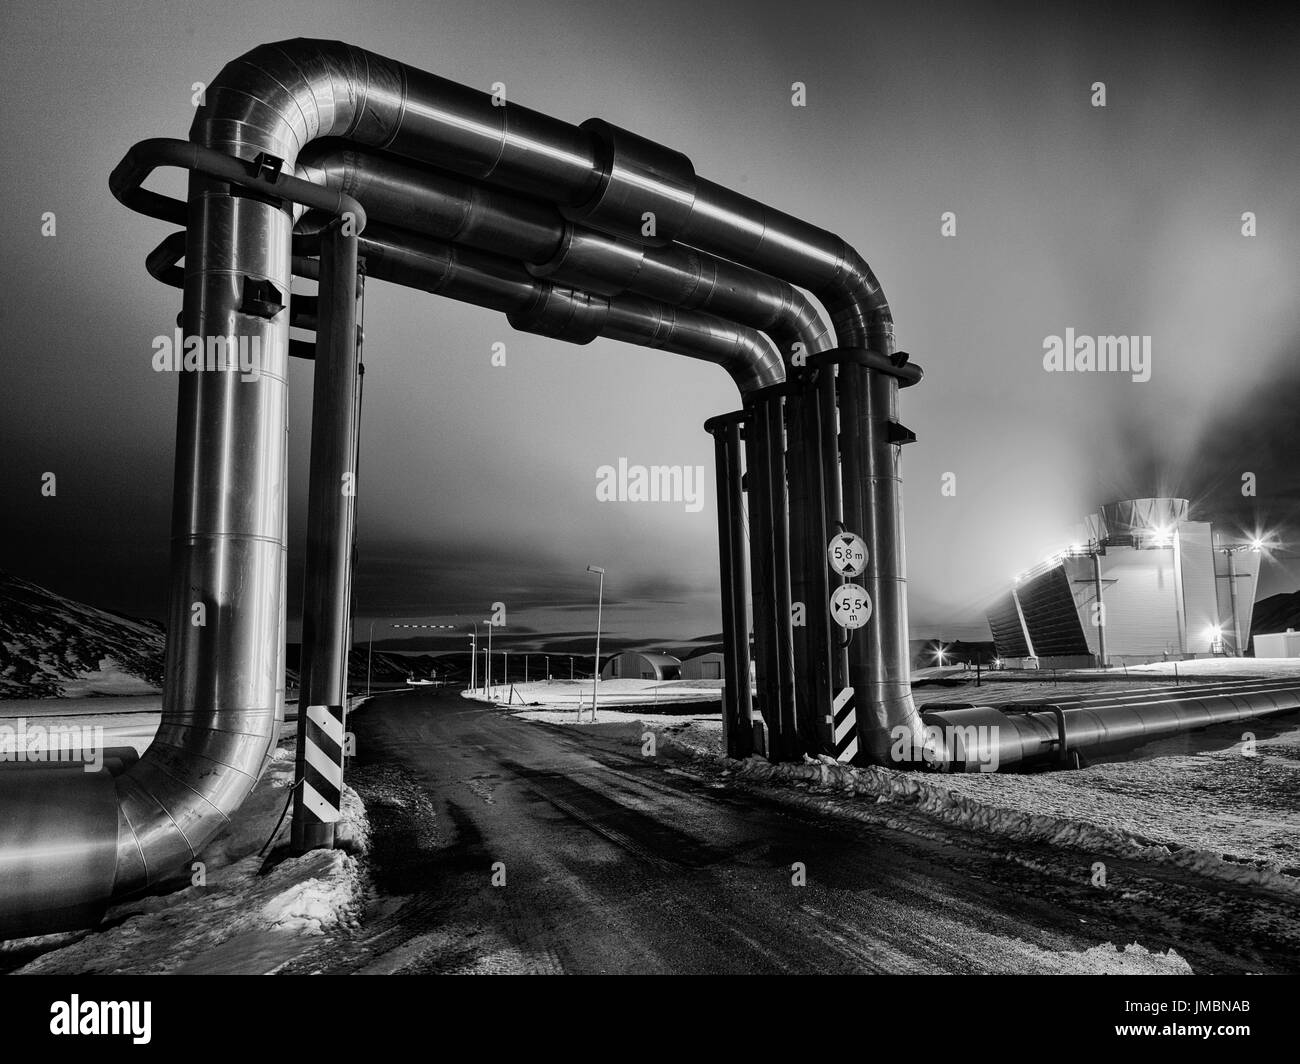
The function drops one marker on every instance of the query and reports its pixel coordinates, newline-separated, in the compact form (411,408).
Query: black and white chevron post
(322,780)
(845,726)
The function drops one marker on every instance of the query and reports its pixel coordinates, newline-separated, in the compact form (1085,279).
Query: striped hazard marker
(322,781)
(845,725)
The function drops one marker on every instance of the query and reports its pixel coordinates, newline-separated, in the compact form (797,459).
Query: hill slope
(51,646)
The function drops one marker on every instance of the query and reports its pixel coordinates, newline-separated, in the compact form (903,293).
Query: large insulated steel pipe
(424,200)
(536,306)
(768,503)
(809,582)
(878,653)
(870,436)
(327,578)
(733,554)
(986,738)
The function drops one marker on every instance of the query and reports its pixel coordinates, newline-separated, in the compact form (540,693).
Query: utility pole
(1255,546)
(1101,609)
(600,598)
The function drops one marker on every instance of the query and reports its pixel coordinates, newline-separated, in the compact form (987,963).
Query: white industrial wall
(704,667)
(1200,597)
(1141,606)
(1278,645)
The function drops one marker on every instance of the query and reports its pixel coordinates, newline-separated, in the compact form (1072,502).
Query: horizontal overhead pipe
(534,305)
(433,203)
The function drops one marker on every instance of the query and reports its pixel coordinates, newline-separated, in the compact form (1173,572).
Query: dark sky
(478,482)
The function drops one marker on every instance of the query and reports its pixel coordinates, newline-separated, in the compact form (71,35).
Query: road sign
(848,554)
(850,606)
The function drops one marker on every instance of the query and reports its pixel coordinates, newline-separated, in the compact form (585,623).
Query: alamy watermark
(52,743)
(976,744)
(1098,354)
(638,483)
(211,354)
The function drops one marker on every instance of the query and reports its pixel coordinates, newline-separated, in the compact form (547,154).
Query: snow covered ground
(1194,800)
(238,919)
(125,721)
(569,694)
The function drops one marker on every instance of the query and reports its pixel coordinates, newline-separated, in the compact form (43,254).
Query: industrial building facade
(1148,585)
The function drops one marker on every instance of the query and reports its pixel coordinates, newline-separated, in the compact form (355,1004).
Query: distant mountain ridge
(51,646)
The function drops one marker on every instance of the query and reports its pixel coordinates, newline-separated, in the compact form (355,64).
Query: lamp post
(1255,546)
(473,659)
(370,653)
(595,675)
(487,687)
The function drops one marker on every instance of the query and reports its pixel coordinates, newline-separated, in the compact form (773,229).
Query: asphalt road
(605,861)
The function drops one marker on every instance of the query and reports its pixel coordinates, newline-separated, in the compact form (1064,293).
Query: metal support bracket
(261,298)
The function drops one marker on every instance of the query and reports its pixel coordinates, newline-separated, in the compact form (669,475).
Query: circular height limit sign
(848,554)
(850,606)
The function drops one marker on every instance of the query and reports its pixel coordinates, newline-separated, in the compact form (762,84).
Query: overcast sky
(478,482)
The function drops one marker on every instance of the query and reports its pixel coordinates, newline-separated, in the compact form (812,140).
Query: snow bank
(939,803)
(235,918)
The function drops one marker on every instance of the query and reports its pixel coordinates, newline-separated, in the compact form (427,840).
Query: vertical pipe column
(762,586)
(1180,609)
(328,571)
(223,677)
(788,747)
(879,655)
(733,565)
(1232,602)
(808,576)
(828,436)
(1101,611)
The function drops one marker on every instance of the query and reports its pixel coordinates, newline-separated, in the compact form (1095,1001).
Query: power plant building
(1147,585)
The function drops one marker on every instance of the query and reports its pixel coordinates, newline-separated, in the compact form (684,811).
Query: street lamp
(595,675)
(1231,550)
(370,653)
(473,658)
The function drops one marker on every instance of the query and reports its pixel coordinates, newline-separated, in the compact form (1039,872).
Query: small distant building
(703,667)
(1278,644)
(635,665)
